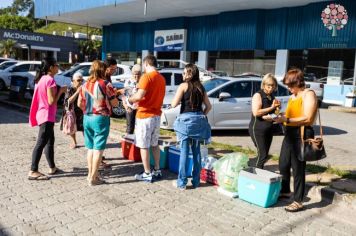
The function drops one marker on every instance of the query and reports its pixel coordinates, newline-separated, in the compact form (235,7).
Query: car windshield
(213,83)
(7,64)
(69,72)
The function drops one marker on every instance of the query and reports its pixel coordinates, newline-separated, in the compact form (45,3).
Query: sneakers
(144,177)
(156,174)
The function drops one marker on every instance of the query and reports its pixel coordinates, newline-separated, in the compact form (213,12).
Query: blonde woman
(96,98)
(264,106)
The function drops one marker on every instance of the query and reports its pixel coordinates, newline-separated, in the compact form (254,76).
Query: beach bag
(69,123)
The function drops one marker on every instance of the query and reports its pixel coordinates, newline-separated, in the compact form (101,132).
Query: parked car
(123,72)
(173,77)
(24,69)
(2,59)
(231,102)
(6,64)
(312,83)
(219,73)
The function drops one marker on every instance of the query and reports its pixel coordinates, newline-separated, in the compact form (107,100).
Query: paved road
(339,135)
(65,205)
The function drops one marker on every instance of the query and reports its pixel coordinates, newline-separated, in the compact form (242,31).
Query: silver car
(231,102)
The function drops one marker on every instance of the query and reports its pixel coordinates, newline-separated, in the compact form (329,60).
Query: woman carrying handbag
(300,111)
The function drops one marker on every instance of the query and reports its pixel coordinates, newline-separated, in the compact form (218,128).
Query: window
(178,79)
(241,89)
(282,91)
(84,70)
(119,71)
(22,68)
(34,67)
(256,86)
(167,77)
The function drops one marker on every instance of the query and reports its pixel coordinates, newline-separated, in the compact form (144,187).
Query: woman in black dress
(70,102)
(264,106)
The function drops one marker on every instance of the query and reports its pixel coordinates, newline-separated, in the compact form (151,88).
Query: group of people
(301,110)
(142,98)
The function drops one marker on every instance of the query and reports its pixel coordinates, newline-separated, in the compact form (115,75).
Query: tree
(7,47)
(89,48)
(16,22)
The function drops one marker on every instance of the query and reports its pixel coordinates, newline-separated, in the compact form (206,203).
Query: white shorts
(147,132)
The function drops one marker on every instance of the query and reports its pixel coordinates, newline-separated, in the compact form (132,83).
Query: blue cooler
(163,160)
(260,187)
(173,161)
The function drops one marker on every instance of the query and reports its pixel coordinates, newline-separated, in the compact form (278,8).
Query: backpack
(69,123)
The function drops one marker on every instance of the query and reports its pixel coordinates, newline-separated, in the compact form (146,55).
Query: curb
(342,109)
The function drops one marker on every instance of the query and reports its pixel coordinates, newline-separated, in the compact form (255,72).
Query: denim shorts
(96,131)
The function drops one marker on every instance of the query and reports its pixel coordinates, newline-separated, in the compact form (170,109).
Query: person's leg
(73,142)
(95,164)
(196,163)
(261,144)
(298,168)
(145,156)
(49,149)
(156,155)
(284,166)
(155,124)
(42,140)
(184,153)
(90,163)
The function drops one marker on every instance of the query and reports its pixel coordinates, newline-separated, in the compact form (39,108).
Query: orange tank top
(294,109)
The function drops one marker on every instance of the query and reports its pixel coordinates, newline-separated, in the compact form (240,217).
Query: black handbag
(312,149)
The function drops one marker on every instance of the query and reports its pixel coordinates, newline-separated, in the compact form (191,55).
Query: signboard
(170,40)
(335,70)
(23,36)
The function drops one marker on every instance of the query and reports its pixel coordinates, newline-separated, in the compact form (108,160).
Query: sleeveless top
(267,101)
(295,108)
(186,104)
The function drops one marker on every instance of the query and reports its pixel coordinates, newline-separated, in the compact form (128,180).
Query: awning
(45,48)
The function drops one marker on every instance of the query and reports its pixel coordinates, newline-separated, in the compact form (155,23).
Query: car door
(233,112)
(23,70)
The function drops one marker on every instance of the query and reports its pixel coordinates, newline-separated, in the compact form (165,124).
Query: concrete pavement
(65,205)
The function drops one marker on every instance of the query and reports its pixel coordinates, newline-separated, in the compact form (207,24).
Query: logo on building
(159,40)
(334,17)
(26,37)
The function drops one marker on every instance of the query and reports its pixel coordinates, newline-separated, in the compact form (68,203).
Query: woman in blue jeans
(191,125)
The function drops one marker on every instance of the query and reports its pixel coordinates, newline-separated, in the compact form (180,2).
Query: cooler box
(173,161)
(163,161)
(260,187)
(128,148)
(208,176)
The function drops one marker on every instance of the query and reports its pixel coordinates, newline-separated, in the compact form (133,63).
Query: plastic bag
(228,168)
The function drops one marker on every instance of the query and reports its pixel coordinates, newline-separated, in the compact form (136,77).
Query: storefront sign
(335,70)
(170,40)
(334,17)
(27,37)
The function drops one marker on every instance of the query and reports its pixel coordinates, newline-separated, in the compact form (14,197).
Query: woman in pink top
(43,113)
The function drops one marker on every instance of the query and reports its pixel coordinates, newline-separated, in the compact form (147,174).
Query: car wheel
(2,85)
(118,111)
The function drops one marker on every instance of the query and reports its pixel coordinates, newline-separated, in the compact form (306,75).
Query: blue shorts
(96,131)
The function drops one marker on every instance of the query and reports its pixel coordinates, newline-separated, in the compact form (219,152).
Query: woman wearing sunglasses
(70,103)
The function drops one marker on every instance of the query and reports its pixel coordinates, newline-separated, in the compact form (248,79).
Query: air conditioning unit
(67,33)
(97,37)
(78,35)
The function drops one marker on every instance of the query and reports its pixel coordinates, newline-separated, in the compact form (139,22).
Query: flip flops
(39,177)
(294,207)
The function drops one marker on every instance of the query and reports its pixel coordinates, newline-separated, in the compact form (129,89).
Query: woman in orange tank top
(300,111)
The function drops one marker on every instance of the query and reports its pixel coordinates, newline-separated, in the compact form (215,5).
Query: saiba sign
(170,40)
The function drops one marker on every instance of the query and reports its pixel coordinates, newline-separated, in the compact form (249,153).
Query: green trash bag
(228,168)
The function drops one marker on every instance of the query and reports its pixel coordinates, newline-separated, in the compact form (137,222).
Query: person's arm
(207,104)
(310,104)
(257,110)
(53,97)
(74,96)
(179,94)
(136,97)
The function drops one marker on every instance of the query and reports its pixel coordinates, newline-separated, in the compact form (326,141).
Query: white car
(24,68)
(231,102)
(123,72)
(173,77)
(312,83)
(6,64)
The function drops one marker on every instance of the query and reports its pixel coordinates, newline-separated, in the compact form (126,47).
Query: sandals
(53,171)
(97,181)
(294,207)
(39,177)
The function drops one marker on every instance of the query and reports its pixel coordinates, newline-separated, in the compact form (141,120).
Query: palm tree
(7,47)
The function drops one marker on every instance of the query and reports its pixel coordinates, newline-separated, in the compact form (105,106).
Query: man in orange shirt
(150,94)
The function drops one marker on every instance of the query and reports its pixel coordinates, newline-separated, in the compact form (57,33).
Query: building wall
(284,28)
